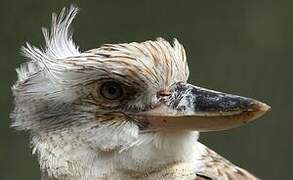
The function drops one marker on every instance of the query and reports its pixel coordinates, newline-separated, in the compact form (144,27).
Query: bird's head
(117,96)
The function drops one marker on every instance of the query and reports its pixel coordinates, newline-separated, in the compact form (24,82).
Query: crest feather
(59,45)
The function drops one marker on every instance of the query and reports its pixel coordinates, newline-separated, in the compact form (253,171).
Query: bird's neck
(167,151)
(168,171)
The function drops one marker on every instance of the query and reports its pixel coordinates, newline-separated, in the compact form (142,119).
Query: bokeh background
(241,47)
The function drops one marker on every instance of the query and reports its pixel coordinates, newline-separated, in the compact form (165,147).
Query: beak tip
(260,109)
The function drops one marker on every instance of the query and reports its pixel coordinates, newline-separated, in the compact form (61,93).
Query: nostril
(164,93)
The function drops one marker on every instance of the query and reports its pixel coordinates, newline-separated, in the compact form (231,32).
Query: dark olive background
(241,47)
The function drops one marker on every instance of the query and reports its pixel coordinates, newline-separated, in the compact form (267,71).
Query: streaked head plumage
(62,74)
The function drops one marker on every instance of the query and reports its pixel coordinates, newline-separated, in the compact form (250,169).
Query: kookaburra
(121,111)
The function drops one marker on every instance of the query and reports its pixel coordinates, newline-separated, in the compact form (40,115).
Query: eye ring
(111,90)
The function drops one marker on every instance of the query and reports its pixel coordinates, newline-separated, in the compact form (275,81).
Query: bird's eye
(111,90)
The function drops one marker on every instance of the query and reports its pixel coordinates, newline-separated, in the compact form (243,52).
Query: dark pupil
(112,90)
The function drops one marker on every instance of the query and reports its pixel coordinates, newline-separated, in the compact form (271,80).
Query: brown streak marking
(146,55)
(155,49)
(170,54)
(131,73)
(125,57)
(156,59)
(153,58)
(135,45)
(165,59)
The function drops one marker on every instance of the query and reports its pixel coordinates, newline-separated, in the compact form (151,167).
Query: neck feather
(65,155)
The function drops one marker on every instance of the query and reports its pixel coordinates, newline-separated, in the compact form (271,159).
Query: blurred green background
(241,47)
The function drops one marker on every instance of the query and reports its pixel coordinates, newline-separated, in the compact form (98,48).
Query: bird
(121,111)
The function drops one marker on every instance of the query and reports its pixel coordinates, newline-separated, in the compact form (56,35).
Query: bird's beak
(193,108)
